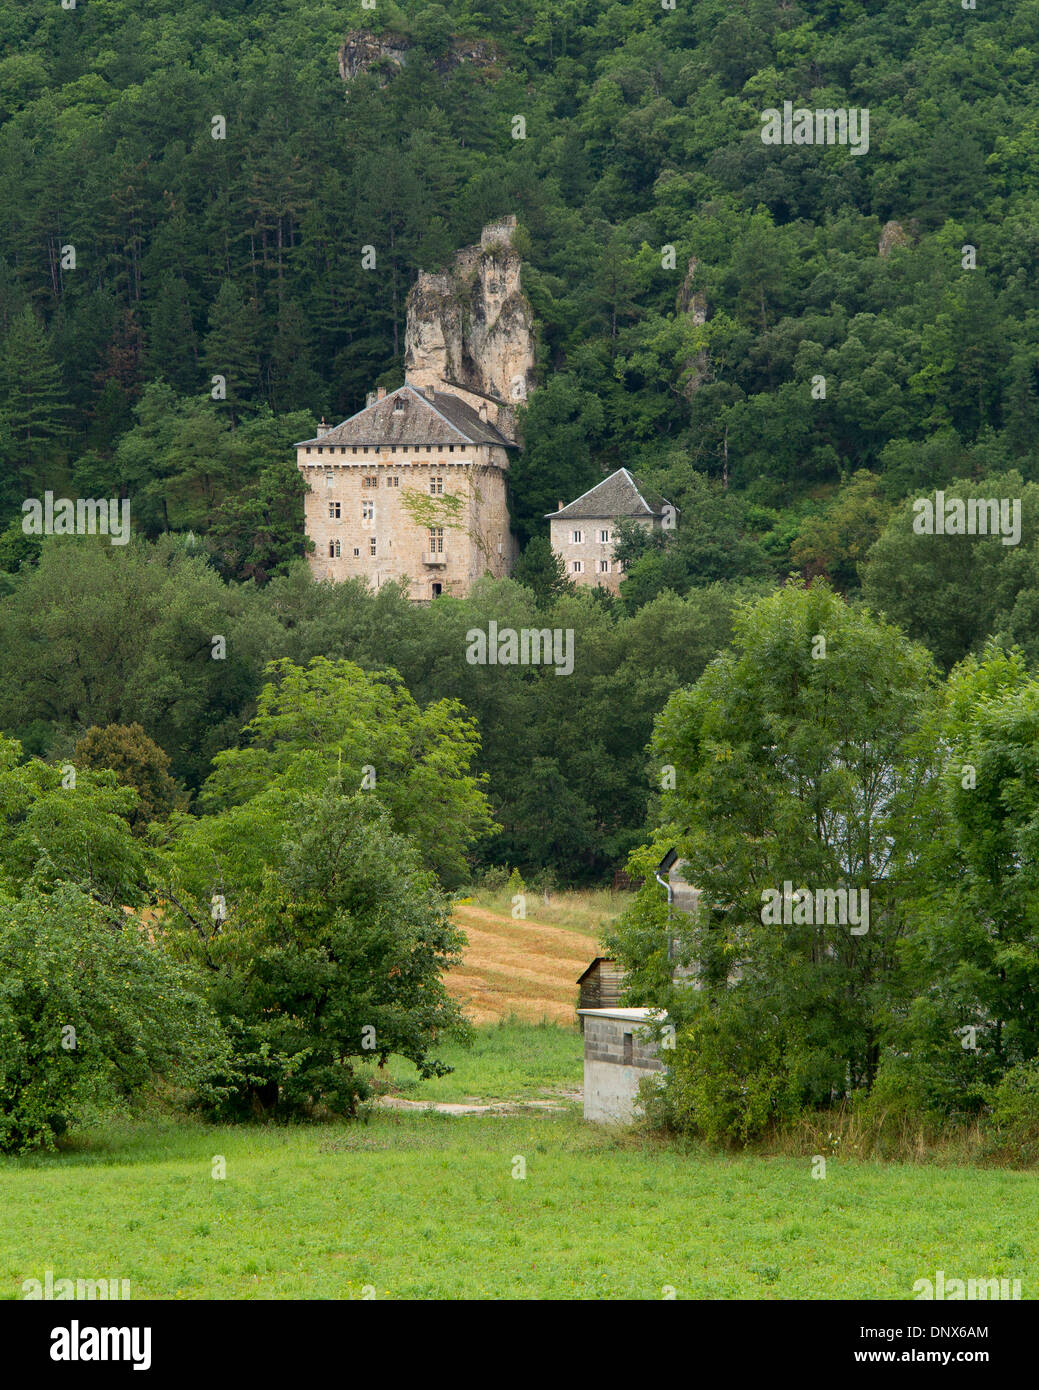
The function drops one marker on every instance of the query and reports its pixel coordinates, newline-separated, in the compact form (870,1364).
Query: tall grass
(585,910)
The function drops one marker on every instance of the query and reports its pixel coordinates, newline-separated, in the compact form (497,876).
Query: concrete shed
(618,1052)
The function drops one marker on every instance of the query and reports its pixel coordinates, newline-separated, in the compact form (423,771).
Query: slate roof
(621,494)
(447,419)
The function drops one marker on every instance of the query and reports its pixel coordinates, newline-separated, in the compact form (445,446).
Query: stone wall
(591,551)
(611,1076)
(478,543)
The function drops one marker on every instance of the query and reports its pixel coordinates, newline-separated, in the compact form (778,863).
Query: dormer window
(399,403)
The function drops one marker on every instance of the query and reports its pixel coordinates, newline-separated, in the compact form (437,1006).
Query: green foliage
(730,1075)
(60,826)
(974,954)
(333,719)
(138,762)
(99,634)
(135,1016)
(17,549)
(541,570)
(1015,1108)
(954,591)
(331,955)
(802,764)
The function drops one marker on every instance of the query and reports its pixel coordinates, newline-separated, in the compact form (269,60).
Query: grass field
(424,1205)
(528,968)
(507,1061)
(420,1204)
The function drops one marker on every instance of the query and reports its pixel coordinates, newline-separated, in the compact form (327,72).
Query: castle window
(436,486)
(578,567)
(450,448)
(604,536)
(320,450)
(365,448)
(604,566)
(356,550)
(436,540)
(577,537)
(335,511)
(329,477)
(371,545)
(334,550)
(370,480)
(355,449)
(308,448)
(367,511)
(399,403)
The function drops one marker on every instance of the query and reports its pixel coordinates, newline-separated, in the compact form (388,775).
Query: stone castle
(413,487)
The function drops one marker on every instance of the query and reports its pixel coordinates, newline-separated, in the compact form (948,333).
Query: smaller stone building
(619,1051)
(582,533)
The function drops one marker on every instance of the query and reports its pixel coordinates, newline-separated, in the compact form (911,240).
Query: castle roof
(408,417)
(621,494)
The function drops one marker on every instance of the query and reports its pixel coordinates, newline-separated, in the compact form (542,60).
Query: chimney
(381,393)
(430,393)
(483,411)
(559,505)
(322,429)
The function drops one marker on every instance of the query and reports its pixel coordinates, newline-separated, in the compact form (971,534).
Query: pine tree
(172,345)
(231,347)
(32,394)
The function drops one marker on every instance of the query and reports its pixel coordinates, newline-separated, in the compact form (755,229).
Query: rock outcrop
(363,51)
(470,330)
(892,234)
(385,54)
(693,303)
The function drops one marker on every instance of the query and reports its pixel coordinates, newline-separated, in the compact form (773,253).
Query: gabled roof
(621,494)
(599,960)
(446,419)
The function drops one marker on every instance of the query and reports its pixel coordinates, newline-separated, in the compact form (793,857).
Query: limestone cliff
(385,54)
(363,51)
(470,330)
(892,234)
(693,303)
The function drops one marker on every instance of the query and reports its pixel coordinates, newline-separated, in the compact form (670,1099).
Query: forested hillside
(689,282)
(243,256)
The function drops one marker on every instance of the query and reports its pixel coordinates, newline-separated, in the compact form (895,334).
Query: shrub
(91,1011)
(1015,1106)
